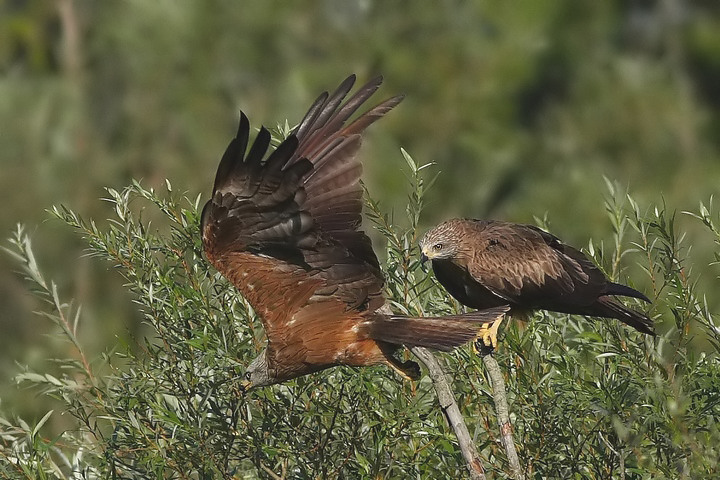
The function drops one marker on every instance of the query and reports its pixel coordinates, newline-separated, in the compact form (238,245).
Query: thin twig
(272,474)
(620,455)
(502,412)
(449,406)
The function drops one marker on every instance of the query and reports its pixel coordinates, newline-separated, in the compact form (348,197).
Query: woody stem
(502,412)
(450,408)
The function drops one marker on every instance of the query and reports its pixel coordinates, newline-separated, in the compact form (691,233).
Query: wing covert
(514,260)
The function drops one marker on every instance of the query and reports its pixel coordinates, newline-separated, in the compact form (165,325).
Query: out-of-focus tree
(523,106)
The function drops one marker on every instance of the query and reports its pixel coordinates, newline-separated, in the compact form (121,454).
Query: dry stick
(449,406)
(502,411)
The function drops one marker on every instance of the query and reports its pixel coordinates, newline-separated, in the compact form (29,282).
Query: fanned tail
(439,333)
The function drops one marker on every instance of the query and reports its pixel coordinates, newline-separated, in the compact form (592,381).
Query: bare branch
(502,412)
(449,406)
(272,474)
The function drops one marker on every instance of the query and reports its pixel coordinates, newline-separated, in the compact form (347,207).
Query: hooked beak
(245,385)
(423,259)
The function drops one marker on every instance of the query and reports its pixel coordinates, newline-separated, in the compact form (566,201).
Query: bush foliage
(590,399)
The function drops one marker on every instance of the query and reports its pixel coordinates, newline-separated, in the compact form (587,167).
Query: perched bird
(484,264)
(285,230)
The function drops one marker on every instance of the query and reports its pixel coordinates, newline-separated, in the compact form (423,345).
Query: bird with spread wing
(485,264)
(284,228)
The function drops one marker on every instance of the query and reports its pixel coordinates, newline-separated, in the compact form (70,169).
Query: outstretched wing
(529,267)
(285,229)
(334,193)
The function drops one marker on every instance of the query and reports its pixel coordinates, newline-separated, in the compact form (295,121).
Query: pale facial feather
(444,241)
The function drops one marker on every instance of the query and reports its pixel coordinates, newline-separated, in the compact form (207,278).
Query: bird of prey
(484,264)
(284,228)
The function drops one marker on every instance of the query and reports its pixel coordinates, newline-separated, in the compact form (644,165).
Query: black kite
(485,264)
(285,230)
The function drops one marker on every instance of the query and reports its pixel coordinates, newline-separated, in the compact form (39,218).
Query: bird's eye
(247,376)
(438,246)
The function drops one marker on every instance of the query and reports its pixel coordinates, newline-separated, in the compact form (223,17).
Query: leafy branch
(587,398)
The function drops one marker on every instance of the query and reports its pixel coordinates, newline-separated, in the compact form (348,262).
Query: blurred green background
(525,106)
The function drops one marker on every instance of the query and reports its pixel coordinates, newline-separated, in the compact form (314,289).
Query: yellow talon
(488,334)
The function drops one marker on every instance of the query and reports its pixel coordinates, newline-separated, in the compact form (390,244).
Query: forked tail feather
(609,307)
(439,333)
(625,291)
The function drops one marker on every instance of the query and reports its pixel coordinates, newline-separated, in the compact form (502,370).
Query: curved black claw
(481,349)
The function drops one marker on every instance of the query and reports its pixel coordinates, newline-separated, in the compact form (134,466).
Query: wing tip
(350,79)
(243,125)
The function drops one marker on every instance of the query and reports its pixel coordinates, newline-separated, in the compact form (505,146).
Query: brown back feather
(526,266)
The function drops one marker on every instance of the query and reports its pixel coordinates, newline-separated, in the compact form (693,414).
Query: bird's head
(257,374)
(440,243)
